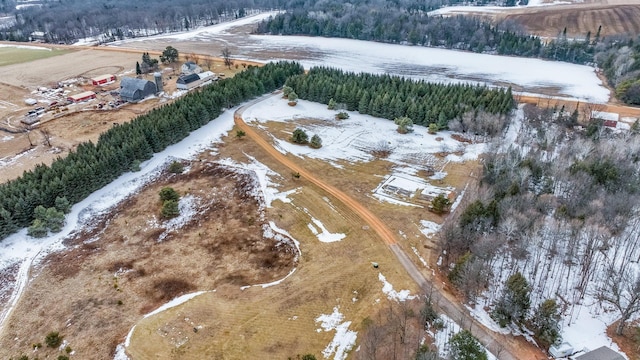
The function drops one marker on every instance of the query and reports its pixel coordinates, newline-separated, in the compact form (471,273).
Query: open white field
(528,75)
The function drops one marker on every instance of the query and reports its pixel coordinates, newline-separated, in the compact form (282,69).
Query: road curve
(503,347)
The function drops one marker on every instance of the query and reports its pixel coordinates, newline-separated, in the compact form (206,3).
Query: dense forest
(69,20)
(92,166)
(620,63)
(393,97)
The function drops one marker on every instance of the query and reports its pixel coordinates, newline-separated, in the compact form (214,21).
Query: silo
(158,77)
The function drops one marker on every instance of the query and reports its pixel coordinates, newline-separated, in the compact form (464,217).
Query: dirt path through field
(504,347)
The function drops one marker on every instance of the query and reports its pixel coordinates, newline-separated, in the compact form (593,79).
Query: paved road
(503,347)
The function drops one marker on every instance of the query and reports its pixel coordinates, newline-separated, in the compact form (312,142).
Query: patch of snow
(324,235)
(429,228)
(422,260)
(588,329)
(175,302)
(343,340)
(479,313)
(387,288)
(205,33)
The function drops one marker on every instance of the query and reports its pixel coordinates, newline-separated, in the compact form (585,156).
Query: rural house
(601,353)
(190,68)
(103,79)
(134,90)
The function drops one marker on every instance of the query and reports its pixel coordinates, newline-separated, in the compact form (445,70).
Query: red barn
(103,79)
(83,96)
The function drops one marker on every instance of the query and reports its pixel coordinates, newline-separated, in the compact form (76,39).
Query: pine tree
(316,142)
(546,322)
(299,136)
(515,301)
(464,346)
(138,70)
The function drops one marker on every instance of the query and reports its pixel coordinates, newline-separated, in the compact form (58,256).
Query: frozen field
(549,78)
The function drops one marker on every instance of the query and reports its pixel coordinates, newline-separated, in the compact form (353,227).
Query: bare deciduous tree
(621,289)
(226,57)
(46,134)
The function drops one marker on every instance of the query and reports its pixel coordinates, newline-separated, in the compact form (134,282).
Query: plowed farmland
(579,19)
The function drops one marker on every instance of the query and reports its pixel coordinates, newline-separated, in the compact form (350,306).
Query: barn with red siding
(103,79)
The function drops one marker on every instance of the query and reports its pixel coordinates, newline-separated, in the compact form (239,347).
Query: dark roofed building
(133,90)
(601,353)
(186,82)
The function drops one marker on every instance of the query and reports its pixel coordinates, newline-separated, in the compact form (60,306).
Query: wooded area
(92,166)
(557,206)
(392,97)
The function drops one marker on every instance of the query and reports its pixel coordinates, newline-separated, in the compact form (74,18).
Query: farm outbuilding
(190,68)
(83,96)
(103,79)
(133,90)
(186,82)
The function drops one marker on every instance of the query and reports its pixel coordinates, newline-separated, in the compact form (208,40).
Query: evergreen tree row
(92,166)
(391,97)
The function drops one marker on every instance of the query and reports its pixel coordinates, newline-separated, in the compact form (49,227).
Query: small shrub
(176,167)
(405,124)
(342,115)
(38,229)
(68,349)
(135,165)
(316,142)
(293,99)
(240,134)
(63,357)
(168,193)
(286,90)
(299,136)
(120,302)
(170,209)
(332,104)
(440,204)
(53,339)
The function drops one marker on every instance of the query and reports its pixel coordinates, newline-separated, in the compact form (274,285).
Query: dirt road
(503,347)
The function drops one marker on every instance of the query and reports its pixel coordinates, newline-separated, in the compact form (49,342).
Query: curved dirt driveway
(503,347)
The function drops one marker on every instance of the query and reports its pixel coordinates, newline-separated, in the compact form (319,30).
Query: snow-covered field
(432,64)
(471,9)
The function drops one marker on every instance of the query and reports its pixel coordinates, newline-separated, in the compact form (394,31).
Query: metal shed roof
(601,353)
(185,79)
